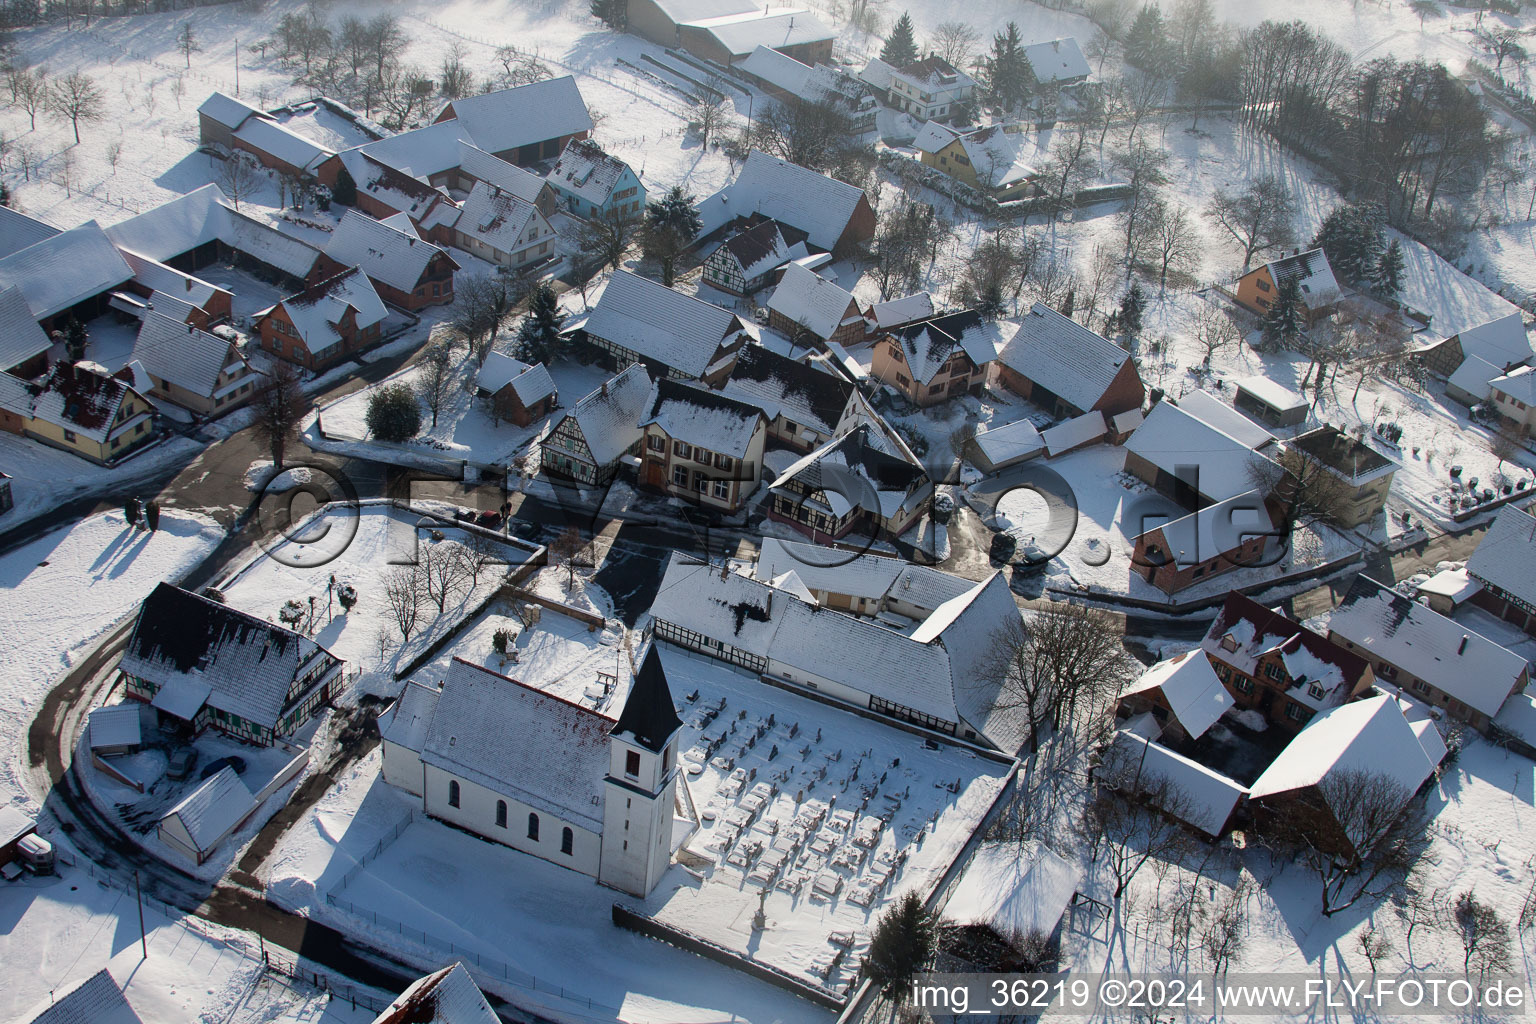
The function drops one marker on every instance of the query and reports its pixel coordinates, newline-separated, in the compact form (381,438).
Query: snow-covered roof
(1204,798)
(1356,461)
(114,726)
(1502,341)
(1276,396)
(609,418)
(1216,529)
(777,69)
(493,170)
(905,310)
(683,11)
(14,823)
(1312,274)
(521,742)
(1190,686)
(1015,889)
(1063,356)
(80,397)
(781,386)
(877,73)
(758,249)
(788,193)
(969,626)
(529,383)
(1171,438)
(20,336)
(810,300)
(267,136)
(997,155)
(201,216)
(1059,60)
(448,996)
(857,471)
(178,352)
(1519,384)
(705,419)
(170,282)
(866,575)
(96,1000)
(586,171)
(318,309)
(1069,434)
(1225,418)
(406,721)
(1506,556)
(1474,376)
(1125,422)
(742,33)
(421,152)
(248,664)
(389,254)
(64,269)
(928,344)
(1010,442)
(1245,631)
(512,118)
(1448,655)
(661,324)
(1454,584)
(394,188)
(934,72)
(226,110)
(500,219)
(1518,716)
(1370,735)
(212,810)
(17,231)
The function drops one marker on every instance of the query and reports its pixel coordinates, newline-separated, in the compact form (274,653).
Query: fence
(372,854)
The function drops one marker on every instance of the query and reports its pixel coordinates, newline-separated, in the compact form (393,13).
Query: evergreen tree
(538,338)
(1388,277)
(1285,321)
(1008,75)
(1146,44)
(5,194)
(903,944)
(900,46)
(671,224)
(345,189)
(152,516)
(613,13)
(131,511)
(1352,238)
(74,340)
(1069,303)
(1127,319)
(393,413)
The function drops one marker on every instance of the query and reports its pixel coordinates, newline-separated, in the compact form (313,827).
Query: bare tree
(1170,243)
(519,68)
(78,99)
(402,589)
(955,41)
(479,554)
(29,86)
(1260,217)
(279,405)
(443,573)
(808,134)
(1373,945)
(1069,168)
(1145,170)
(454,79)
(707,112)
(403,93)
(568,550)
(1214,331)
(1053,667)
(238,178)
(1308,491)
(1133,816)
(608,236)
(1485,939)
(436,381)
(1224,939)
(1506,443)
(1098,285)
(114,153)
(186,42)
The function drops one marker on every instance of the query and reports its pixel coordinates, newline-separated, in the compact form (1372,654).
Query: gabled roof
(116,725)
(649,716)
(1475,376)
(928,344)
(1506,556)
(585,170)
(772,27)
(609,418)
(905,310)
(210,811)
(781,386)
(318,309)
(500,219)
(65,269)
(1252,631)
(777,69)
(969,627)
(1170,438)
(758,249)
(1014,889)
(202,216)
(1503,342)
(81,397)
(1210,409)
(1205,796)
(170,282)
(521,742)
(493,170)
(1519,384)
(406,721)
(266,135)
(420,152)
(705,419)
(17,231)
(813,302)
(385,253)
(794,195)
(1017,440)
(1189,684)
(867,575)
(1058,60)
(96,1000)
(510,118)
(396,189)
(20,336)
(1354,460)
(1276,396)
(856,471)
(226,110)
(661,324)
(1312,274)
(248,664)
(684,11)
(1454,659)
(935,72)
(181,354)
(528,383)
(1216,529)
(1064,357)
(448,996)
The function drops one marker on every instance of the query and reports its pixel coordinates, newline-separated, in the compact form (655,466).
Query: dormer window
(1316,692)
(1229,642)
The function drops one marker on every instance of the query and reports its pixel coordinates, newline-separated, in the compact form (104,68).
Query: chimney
(1462,649)
(603,389)
(190,328)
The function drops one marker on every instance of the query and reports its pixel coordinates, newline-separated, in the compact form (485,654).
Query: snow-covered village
(698,511)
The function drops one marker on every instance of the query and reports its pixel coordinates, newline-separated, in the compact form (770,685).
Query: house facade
(939,359)
(515,391)
(405,269)
(1504,568)
(1066,369)
(744,264)
(326,323)
(860,481)
(931,88)
(590,441)
(1365,474)
(1227,535)
(203,373)
(640,321)
(1317,289)
(703,446)
(591,184)
(79,410)
(503,228)
(806,304)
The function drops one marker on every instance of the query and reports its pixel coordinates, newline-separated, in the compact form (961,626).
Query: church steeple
(640,792)
(649,716)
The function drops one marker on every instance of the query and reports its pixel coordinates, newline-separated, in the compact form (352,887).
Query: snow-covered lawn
(43,478)
(361,547)
(67,588)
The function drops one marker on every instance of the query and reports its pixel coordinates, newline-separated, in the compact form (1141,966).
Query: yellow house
(79,408)
(987,159)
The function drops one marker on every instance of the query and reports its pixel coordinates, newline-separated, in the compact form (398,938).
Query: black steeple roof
(648,714)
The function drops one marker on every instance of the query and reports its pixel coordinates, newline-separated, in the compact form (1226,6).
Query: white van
(36,854)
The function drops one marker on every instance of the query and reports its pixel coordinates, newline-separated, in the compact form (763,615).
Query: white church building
(540,774)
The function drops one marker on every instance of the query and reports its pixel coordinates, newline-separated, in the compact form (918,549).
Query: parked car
(214,767)
(36,854)
(1003,547)
(180,764)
